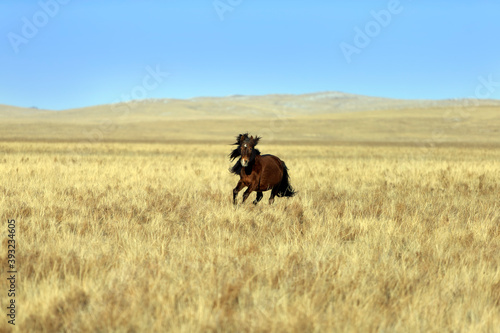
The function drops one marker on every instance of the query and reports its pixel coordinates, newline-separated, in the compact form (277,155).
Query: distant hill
(8,112)
(239,105)
(324,116)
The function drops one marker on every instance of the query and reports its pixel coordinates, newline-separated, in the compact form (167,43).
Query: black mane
(236,169)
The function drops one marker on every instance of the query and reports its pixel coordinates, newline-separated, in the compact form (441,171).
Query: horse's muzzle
(244,162)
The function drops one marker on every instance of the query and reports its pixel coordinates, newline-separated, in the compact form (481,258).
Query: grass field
(142,237)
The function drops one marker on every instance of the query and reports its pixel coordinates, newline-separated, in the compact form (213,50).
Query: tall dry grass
(144,238)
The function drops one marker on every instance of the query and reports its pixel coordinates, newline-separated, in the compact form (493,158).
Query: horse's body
(259,172)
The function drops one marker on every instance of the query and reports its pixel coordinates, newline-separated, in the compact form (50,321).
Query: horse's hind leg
(273,194)
(259,197)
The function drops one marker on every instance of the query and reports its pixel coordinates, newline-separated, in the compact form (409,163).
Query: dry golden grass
(144,238)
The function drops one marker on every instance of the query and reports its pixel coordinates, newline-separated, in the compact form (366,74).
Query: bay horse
(258,172)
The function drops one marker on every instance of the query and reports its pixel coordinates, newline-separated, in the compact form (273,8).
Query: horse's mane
(236,169)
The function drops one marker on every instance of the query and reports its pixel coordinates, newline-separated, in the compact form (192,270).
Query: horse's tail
(284,188)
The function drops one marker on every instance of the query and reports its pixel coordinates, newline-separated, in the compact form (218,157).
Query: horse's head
(246,149)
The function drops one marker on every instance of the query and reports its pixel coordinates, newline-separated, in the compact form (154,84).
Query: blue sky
(60,54)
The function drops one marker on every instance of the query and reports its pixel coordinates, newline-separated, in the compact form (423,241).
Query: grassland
(125,221)
(142,237)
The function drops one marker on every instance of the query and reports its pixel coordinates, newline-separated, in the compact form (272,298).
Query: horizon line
(255,95)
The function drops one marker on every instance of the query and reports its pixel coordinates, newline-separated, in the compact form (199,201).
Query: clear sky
(60,54)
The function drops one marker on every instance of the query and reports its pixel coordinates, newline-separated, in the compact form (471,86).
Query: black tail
(284,188)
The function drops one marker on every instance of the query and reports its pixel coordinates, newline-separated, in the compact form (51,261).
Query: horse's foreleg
(249,190)
(236,190)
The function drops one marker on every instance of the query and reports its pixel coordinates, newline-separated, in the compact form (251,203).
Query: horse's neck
(251,165)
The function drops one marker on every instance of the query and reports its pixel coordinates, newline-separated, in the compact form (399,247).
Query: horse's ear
(255,140)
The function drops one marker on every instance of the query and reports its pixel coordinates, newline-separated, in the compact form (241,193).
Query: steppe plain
(125,222)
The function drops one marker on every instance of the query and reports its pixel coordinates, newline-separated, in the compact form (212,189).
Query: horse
(258,172)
